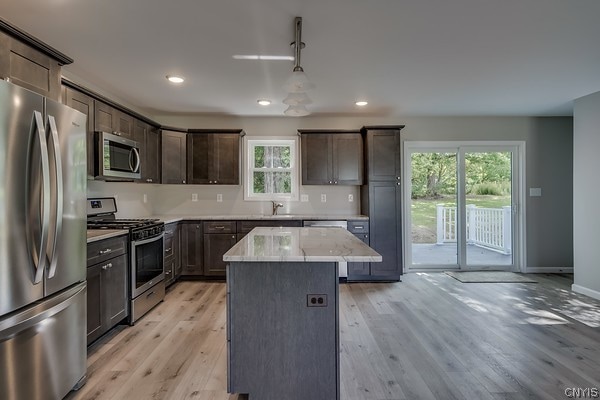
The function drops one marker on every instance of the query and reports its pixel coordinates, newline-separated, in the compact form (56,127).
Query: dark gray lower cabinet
(215,245)
(359,270)
(107,295)
(385,229)
(172,259)
(381,202)
(219,236)
(192,248)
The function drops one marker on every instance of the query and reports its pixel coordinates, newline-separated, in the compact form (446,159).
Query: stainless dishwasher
(342,266)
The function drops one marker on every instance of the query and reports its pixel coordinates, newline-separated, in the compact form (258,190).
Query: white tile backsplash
(177,200)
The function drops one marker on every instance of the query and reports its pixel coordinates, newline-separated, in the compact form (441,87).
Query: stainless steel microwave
(119,158)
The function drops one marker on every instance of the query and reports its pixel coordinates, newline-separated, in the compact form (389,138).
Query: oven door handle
(146,241)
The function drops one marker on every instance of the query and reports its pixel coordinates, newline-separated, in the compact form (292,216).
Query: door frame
(518,148)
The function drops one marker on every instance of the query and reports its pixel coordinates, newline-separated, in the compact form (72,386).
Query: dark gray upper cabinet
(332,157)
(29,67)
(109,119)
(173,145)
(85,104)
(316,159)
(213,157)
(383,153)
(148,139)
(151,172)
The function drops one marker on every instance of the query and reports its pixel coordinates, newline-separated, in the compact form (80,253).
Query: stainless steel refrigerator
(42,246)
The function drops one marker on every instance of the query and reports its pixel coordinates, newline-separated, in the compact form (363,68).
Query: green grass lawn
(424,210)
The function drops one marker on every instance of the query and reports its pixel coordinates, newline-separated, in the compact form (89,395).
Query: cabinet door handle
(183,181)
(216,182)
(168,232)
(107,266)
(335,182)
(233,236)
(106,251)
(398,183)
(330,182)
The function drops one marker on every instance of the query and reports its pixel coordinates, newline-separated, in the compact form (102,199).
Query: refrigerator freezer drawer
(43,349)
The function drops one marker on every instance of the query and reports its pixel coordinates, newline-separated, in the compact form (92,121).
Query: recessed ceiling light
(263,102)
(361,103)
(175,79)
(263,57)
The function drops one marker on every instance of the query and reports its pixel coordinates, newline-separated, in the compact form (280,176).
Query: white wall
(549,166)
(586,191)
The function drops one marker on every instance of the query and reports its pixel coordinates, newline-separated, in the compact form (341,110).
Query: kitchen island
(282,311)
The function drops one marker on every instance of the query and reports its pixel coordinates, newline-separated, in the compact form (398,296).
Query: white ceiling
(406,57)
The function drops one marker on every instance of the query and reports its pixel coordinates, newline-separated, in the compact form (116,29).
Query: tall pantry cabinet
(381,201)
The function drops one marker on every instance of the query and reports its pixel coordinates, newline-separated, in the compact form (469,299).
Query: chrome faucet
(276,206)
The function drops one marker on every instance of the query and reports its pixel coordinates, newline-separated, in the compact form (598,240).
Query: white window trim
(292,141)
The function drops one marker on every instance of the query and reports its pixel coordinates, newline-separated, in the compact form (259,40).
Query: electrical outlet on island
(219,198)
(323,198)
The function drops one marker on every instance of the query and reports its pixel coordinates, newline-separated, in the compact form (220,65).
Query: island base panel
(280,345)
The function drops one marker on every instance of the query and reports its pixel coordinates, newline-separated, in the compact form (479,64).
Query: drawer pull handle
(107,266)
(358,227)
(149,294)
(106,251)
(220,227)
(168,232)
(168,250)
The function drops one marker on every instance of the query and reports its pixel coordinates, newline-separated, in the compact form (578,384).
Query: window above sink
(272,168)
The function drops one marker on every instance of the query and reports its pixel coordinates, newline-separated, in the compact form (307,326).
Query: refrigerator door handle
(38,250)
(58,196)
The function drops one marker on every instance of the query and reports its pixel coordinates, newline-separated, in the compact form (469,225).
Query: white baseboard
(588,292)
(536,270)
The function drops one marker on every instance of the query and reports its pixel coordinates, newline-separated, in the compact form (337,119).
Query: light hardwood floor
(428,337)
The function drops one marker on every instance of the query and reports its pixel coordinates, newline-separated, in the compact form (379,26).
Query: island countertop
(301,245)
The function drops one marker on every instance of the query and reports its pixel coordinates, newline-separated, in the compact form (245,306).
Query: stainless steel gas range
(146,252)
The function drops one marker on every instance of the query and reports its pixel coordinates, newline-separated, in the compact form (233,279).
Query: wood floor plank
(429,337)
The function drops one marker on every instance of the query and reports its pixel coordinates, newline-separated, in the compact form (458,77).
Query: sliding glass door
(462,202)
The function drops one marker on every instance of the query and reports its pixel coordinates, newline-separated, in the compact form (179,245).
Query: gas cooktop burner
(121,223)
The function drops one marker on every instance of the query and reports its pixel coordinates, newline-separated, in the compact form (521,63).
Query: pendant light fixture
(298,84)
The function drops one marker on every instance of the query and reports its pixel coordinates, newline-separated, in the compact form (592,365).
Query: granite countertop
(167,219)
(93,235)
(301,244)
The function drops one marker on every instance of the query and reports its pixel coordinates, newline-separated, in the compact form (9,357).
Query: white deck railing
(486,227)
